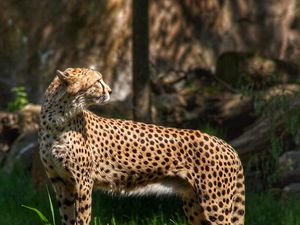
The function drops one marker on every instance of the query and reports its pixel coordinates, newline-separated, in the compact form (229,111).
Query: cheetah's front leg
(74,200)
(65,195)
(83,201)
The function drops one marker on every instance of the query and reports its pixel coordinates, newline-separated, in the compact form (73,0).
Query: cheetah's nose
(109,91)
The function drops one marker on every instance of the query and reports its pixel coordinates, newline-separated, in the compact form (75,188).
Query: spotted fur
(81,150)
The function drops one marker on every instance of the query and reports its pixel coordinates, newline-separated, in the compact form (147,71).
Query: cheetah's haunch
(81,150)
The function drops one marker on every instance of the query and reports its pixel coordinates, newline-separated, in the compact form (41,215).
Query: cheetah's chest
(64,152)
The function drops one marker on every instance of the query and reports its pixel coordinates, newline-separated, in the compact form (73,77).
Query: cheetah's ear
(62,76)
(66,77)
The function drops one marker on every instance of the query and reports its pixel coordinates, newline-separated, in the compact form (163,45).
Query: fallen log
(256,137)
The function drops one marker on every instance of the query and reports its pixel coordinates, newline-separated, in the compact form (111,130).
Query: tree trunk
(140,54)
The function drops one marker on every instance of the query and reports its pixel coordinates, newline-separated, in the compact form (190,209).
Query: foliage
(212,130)
(274,108)
(269,162)
(20,99)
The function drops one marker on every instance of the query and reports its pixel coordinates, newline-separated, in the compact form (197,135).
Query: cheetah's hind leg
(192,209)
(204,207)
(215,204)
(239,200)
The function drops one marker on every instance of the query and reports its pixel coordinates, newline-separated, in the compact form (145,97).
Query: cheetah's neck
(59,108)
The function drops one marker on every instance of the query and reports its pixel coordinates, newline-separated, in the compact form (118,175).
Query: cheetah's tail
(238,208)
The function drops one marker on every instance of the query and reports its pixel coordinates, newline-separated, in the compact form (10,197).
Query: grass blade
(43,219)
(51,206)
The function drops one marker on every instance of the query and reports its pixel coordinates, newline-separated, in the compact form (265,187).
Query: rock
(9,131)
(19,139)
(29,117)
(14,127)
(168,108)
(287,178)
(22,151)
(292,188)
(288,169)
(289,161)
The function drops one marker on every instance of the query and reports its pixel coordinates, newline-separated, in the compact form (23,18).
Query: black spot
(234,219)
(240,176)
(66,217)
(196,169)
(205,222)
(239,185)
(241,212)
(81,209)
(215,208)
(221,218)
(68,202)
(212,218)
(206,197)
(201,209)
(238,199)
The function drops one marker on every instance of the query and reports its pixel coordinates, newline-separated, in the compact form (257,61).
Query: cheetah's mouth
(103,99)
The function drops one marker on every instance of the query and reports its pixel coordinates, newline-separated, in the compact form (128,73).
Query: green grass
(17,189)
(138,210)
(268,209)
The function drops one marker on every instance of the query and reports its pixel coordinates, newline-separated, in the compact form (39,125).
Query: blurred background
(228,68)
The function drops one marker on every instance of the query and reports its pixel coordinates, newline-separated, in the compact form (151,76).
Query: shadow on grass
(137,210)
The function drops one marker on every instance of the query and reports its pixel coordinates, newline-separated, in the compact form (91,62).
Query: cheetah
(81,151)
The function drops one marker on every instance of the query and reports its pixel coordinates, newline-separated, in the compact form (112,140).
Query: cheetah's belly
(159,188)
(167,186)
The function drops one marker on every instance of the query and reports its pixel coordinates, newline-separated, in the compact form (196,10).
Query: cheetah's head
(86,85)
